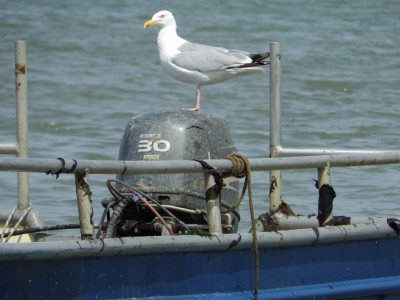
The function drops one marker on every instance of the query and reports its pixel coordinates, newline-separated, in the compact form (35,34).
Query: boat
(160,239)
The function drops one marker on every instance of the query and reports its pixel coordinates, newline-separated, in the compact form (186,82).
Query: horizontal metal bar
(188,166)
(290,152)
(284,222)
(187,243)
(8,148)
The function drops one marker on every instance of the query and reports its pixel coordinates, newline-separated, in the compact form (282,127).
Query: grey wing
(203,58)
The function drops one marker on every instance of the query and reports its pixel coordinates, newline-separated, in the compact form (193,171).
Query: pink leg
(197,106)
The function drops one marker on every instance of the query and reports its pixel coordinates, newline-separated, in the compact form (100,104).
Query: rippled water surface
(92,66)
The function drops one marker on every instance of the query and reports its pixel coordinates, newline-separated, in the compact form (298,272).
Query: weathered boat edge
(75,248)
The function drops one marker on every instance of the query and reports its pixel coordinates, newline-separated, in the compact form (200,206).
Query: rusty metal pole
(275,190)
(21,88)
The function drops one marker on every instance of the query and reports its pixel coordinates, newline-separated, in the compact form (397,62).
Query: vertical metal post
(213,209)
(324,175)
(85,209)
(21,88)
(275,195)
(326,214)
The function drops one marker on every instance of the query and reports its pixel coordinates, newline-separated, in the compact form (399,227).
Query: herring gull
(200,64)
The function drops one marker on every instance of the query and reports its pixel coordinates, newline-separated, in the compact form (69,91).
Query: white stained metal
(214,217)
(324,174)
(213,209)
(8,148)
(284,222)
(21,88)
(85,209)
(275,188)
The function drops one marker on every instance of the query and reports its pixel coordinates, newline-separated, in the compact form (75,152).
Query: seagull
(200,64)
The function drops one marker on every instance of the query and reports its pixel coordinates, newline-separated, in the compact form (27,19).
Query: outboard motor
(167,136)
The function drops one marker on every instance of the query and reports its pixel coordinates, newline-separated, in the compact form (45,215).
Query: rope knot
(239,165)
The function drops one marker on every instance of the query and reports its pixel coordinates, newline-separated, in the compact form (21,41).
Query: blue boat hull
(364,269)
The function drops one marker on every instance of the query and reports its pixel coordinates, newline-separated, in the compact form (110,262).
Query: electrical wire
(134,190)
(143,199)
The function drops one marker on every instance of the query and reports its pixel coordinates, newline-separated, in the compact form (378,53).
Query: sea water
(92,66)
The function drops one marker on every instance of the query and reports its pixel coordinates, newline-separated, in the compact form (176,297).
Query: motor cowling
(179,135)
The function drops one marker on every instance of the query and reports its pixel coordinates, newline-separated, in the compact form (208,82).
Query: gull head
(161,19)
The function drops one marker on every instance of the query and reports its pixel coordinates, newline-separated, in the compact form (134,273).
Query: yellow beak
(149,23)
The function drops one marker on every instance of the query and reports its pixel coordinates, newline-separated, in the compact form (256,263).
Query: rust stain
(273,185)
(20,69)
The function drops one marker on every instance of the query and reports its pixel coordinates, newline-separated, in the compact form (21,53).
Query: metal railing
(20,148)
(281,158)
(277,150)
(23,212)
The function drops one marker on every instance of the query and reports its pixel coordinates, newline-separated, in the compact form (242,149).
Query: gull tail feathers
(257,60)
(260,58)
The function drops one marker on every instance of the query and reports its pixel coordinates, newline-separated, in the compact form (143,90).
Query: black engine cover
(177,135)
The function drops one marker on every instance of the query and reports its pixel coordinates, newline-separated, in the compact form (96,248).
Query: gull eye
(162,16)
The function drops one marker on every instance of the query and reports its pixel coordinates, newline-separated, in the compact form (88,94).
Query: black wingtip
(257,60)
(259,57)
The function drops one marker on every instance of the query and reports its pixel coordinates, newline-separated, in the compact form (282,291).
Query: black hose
(43,228)
(101,223)
(119,207)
